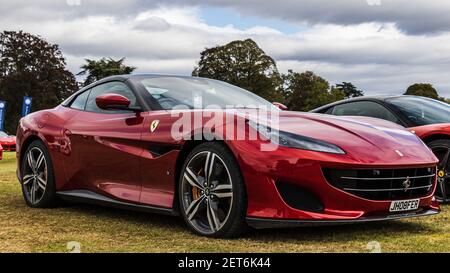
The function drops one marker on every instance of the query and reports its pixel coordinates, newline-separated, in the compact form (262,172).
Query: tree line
(30,66)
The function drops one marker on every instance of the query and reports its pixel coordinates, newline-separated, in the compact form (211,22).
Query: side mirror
(112,101)
(280,106)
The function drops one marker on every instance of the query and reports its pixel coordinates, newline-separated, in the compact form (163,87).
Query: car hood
(7,139)
(366,140)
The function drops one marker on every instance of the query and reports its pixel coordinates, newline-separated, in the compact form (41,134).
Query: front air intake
(299,198)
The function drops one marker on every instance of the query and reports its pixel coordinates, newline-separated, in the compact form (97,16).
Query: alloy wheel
(443,154)
(35,175)
(207,190)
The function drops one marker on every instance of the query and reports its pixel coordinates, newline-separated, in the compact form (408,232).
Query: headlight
(295,141)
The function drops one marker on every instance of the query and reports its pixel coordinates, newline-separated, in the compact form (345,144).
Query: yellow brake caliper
(196,193)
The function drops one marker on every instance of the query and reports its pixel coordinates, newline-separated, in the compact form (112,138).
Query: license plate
(404,205)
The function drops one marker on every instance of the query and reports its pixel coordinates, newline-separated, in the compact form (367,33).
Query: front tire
(441,148)
(38,182)
(212,195)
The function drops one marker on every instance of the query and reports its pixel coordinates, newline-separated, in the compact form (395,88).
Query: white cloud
(411,16)
(376,56)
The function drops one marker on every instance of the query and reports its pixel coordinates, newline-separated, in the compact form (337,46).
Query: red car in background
(427,118)
(1,152)
(8,142)
(113,143)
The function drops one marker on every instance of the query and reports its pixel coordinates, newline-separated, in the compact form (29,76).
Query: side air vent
(159,150)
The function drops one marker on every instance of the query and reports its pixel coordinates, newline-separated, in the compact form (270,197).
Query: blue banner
(2,114)
(26,106)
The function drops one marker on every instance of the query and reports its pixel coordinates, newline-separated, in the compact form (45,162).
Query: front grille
(383,184)
(7,147)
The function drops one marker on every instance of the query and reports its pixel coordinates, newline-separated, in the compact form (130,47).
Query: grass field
(99,229)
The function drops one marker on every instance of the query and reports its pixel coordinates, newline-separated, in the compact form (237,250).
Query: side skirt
(90,197)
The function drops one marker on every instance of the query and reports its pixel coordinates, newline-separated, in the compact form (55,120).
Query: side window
(110,87)
(365,109)
(80,101)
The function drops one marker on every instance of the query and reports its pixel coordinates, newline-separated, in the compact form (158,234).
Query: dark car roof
(372,98)
(121,78)
(133,76)
(142,75)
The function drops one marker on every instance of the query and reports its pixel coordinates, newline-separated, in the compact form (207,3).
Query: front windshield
(422,111)
(3,134)
(199,93)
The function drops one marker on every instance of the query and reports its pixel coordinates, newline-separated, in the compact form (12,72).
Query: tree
(422,89)
(349,90)
(97,70)
(244,64)
(30,66)
(306,91)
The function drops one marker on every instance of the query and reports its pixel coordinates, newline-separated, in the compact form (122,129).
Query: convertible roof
(121,78)
(142,75)
(374,97)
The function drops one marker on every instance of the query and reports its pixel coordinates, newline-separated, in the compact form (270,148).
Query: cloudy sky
(382,46)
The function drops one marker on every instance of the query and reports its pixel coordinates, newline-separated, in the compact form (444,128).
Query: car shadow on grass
(340,233)
(336,233)
(131,216)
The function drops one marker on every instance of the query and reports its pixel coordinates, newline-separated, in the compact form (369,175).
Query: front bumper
(263,170)
(263,223)
(10,147)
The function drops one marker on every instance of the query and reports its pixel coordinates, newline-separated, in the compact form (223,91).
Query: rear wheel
(38,185)
(212,194)
(441,148)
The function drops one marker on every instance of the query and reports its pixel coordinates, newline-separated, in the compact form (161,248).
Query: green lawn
(100,229)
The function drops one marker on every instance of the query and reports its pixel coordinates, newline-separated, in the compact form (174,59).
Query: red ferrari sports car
(186,146)
(8,142)
(427,118)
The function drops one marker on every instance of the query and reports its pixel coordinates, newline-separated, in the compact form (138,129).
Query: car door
(105,145)
(159,159)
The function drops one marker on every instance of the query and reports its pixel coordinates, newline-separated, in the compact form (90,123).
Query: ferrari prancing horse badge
(154,125)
